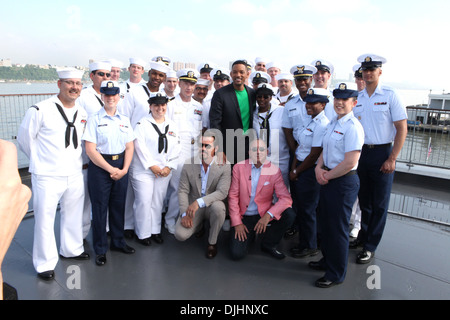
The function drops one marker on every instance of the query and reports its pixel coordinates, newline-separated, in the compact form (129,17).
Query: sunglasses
(207,146)
(254,149)
(102,74)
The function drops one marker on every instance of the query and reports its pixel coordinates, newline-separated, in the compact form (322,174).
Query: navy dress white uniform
(157,144)
(50,136)
(270,121)
(187,117)
(110,134)
(377,114)
(307,190)
(323,65)
(343,141)
(135,107)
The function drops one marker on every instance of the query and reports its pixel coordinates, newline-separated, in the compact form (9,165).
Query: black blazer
(225,112)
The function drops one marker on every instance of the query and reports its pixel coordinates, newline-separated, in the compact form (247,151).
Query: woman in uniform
(336,173)
(157,150)
(109,145)
(307,190)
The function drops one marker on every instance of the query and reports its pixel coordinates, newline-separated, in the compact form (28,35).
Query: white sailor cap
(265,87)
(369,61)
(206,67)
(259,77)
(158,98)
(314,95)
(159,66)
(345,90)
(322,64)
(110,87)
(357,70)
(70,73)
(303,70)
(203,82)
(220,74)
(284,76)
(261,59)
(188,74)
(115,63)
(272,64)
(171,74)
(164,59)
(138,61)
(99,65)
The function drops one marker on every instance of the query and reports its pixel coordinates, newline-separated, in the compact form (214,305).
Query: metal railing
(428,141)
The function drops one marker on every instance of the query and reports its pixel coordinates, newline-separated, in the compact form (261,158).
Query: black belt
(351,172)
(113,156)
(372,146)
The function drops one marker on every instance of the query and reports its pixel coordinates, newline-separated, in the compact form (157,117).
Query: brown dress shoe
(212,251)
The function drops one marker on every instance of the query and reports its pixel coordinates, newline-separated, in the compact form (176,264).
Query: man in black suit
(231,113)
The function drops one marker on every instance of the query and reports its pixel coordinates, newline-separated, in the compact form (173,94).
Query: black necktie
(69,125)
(265,128)
(161,138)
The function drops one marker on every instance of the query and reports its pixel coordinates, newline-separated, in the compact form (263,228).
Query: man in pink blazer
(251,203)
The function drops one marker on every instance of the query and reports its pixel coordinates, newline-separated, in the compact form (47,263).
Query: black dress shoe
(273,252)
(125,249)
(146,242)
(83,256)
(324,283)
(47,275)
(129,234)
(301,253)
(355,244)
(290,233)
(100,259)
(364,257)
(157,238)
(211,252)
(316,265)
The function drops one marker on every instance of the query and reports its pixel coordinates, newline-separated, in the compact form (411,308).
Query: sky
(411,35)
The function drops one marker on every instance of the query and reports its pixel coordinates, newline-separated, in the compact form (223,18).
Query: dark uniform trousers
(374,195)
(271,238)
(307,192)
(108,199)
(336,202)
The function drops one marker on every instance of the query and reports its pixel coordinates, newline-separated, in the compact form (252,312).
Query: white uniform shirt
(278,151)
(42,138)
(342,136)
(90,100)
(378,114)
(187,116)
(146,152)
(330,113)
(205,114)
(311,135)
(135,104)
(284,99)
(109,133)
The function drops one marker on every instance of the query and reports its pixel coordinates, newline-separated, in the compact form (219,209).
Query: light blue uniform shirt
(109,133)
(311,135)
(294,115)
(342,136)
(378,113)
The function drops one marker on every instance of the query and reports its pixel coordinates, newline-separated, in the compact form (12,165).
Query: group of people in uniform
(260,150)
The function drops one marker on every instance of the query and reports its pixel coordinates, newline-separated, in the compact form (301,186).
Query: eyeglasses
(102,74)
(73,83)
(262,96)
(262,149)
